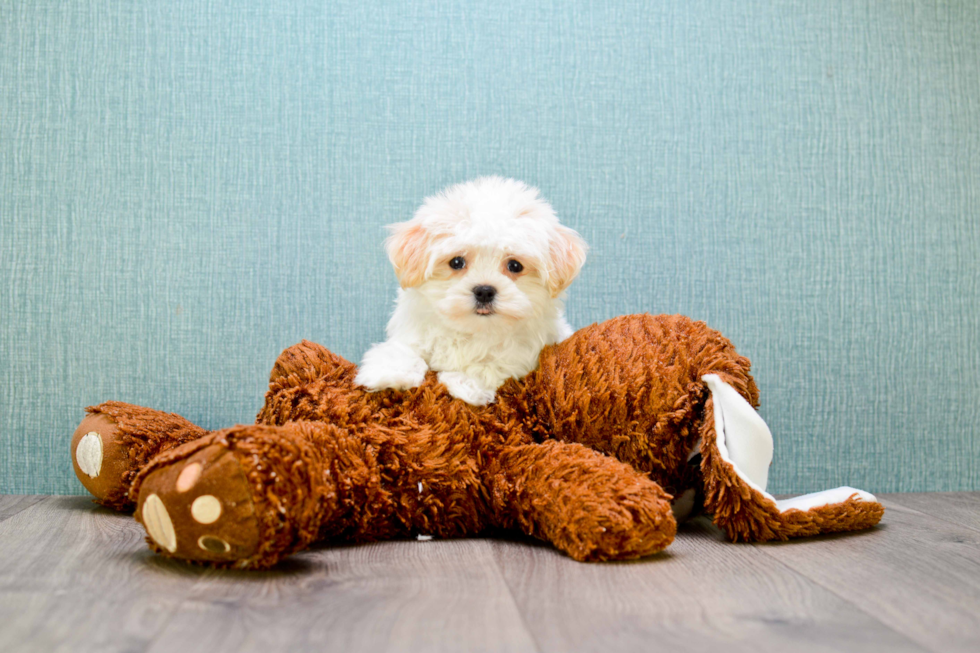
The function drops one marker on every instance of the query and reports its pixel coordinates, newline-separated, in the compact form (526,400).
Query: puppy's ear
(408,251)
(567,253)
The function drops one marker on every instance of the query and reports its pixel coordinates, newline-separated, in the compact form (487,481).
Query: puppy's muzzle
(484,298)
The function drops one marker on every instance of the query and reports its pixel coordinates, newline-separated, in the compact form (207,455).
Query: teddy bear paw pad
(158,524)
(88,454)
(200,508)
(188,477)
(206,509)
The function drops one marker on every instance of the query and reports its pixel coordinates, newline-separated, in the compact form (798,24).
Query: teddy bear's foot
(101,461)
(115,439)
(199,506)
(242,497)
(736,450)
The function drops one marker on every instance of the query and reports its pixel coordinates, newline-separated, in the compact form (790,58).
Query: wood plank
(961,508)
(76,577)
(918,574)
(701,595)
(391,596)
(11,504)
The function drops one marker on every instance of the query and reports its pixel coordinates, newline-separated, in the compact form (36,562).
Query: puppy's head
(486,252)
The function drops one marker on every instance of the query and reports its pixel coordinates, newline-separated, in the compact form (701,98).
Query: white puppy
(482,268)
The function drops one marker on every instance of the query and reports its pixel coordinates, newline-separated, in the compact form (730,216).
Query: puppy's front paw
(391,365)
(465,387)
(377,377)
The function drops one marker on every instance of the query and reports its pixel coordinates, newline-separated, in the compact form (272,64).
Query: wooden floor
(75,577)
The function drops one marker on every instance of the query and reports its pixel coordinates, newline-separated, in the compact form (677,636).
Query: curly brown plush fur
(584,452)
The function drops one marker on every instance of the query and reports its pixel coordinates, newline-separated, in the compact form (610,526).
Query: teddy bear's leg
(736,449)
(589,505)
(245,496)
(115,440)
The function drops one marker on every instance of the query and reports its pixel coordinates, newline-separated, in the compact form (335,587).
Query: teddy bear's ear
(567,254)
(408,250)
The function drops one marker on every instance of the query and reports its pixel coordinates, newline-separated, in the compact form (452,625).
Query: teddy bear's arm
(306,362)
(589,505)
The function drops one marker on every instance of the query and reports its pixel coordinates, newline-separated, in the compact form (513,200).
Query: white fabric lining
(824,498)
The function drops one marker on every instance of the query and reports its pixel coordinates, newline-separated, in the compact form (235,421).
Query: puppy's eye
(514,266)
(457,263)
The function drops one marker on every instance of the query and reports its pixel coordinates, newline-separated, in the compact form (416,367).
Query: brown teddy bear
(585,452)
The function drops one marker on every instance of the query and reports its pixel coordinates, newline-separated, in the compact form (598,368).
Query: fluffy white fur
(439,324)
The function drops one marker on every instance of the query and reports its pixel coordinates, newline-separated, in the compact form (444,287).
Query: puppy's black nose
(484,294)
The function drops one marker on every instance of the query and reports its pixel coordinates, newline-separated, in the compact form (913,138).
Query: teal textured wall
(186,188)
